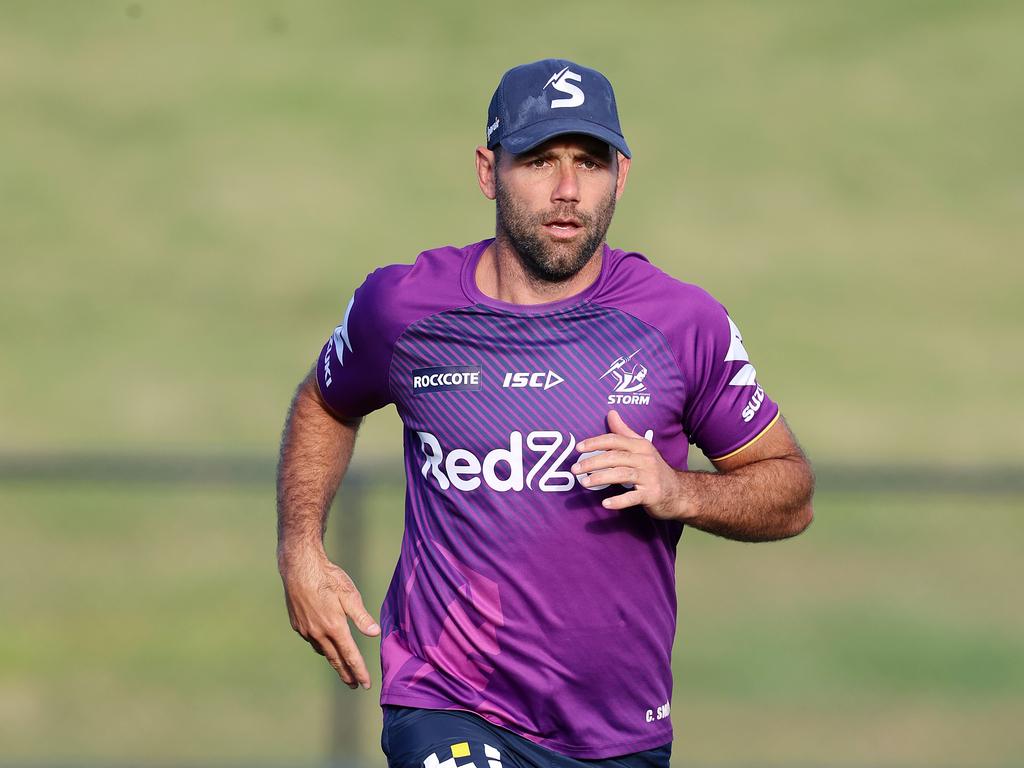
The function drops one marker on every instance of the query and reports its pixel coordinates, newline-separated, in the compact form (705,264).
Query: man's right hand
(321,599)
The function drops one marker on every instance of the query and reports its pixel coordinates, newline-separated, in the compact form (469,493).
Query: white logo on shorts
(461,749)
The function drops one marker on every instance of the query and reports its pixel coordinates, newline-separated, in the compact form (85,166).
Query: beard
(547,261)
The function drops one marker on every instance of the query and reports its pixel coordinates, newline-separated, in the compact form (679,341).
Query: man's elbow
(801,495)
(801,519)
(803,515)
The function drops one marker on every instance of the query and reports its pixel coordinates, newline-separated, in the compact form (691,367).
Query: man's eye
(590,165)
(537,162)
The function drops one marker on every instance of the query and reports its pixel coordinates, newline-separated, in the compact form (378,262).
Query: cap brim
(538,133)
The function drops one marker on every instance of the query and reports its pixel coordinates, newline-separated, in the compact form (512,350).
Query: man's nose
(567,189)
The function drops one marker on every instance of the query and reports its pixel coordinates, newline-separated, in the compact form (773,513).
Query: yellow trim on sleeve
(749,443)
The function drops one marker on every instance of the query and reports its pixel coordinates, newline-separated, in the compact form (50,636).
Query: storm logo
(630,388)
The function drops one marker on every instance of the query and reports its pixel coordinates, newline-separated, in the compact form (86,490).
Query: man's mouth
(563,226)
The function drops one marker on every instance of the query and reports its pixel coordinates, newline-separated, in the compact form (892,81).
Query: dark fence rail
(149,469)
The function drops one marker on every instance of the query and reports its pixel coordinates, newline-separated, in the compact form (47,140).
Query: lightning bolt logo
(554,77)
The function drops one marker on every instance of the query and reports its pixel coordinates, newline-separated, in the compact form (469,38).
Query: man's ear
(620,183)
(486,164)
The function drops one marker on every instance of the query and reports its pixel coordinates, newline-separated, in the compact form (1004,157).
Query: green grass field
(151,625)
(190,191)
(190,195)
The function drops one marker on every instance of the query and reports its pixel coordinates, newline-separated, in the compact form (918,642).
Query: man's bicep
(310,388)
(775,442)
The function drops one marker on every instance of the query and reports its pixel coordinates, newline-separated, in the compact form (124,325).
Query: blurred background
(189,193)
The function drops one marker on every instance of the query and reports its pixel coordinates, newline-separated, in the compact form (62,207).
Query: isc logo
(536,379)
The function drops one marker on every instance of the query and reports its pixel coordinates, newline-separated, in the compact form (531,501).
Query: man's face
(555,203)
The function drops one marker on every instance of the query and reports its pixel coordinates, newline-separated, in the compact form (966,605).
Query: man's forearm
(315,452)
(762,501)
(321,597)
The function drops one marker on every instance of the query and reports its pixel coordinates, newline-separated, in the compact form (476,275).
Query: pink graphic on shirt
(462,645)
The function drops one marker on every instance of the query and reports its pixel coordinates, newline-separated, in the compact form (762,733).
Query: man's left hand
(629,459)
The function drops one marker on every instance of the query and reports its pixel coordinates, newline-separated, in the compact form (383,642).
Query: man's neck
(500,274)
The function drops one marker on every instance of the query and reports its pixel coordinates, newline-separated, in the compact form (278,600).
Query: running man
(549,386)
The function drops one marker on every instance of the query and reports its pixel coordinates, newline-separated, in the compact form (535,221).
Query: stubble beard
(547,261)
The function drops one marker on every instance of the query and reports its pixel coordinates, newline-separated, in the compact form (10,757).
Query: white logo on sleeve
(338,342)
(560,82)
(747,375)
(341,339)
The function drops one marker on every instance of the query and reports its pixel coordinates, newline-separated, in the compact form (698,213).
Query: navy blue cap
(534,102)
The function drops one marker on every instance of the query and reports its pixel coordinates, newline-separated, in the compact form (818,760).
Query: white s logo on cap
(561,82)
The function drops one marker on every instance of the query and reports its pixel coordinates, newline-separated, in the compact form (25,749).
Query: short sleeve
(726,408)
(352,369)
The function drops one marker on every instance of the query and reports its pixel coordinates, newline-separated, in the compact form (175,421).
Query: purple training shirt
(517,596)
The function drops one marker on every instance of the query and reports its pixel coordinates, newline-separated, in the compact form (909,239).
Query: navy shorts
(440,738)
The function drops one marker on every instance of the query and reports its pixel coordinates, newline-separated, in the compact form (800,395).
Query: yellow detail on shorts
(749,443)
(461,749)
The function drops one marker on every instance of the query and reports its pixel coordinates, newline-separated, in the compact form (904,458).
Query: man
(549,386)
